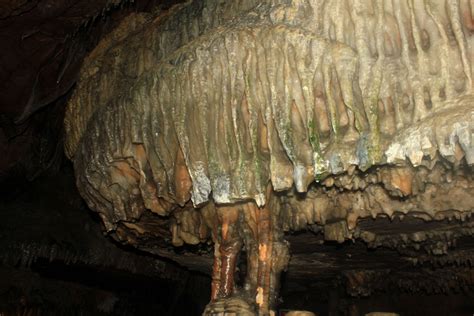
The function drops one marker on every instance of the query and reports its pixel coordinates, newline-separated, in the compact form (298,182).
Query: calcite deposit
(235,121)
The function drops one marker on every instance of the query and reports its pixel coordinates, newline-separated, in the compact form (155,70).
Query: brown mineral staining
(400,180)
(246,224)
(350,111)
(183,181)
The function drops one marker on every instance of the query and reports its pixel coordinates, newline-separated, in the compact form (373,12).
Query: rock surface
(238,121)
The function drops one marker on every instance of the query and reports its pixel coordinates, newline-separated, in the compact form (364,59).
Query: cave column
(273,254)
(216,269)
(251,246)
(264,259)
(228,248)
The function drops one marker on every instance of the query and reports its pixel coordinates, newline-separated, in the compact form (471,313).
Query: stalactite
(212,104)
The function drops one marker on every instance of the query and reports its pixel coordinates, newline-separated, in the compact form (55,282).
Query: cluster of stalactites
(281,95)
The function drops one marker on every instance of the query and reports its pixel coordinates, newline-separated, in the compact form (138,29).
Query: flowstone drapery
(238,120)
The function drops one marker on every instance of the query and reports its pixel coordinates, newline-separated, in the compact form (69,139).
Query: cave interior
(62,252)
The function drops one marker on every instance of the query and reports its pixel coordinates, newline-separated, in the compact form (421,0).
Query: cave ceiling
(43,46)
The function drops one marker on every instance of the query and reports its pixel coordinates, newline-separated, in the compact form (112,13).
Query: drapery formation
(246,92)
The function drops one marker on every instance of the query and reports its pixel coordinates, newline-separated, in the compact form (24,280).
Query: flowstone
(235,121)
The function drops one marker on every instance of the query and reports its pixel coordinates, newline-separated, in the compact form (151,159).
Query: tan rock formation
(243,119)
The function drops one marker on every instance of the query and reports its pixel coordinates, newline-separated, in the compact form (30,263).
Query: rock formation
(235,121)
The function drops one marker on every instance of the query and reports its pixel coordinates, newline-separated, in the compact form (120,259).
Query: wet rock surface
(250,119)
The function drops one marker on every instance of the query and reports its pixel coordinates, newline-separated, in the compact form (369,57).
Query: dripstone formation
(235,121)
